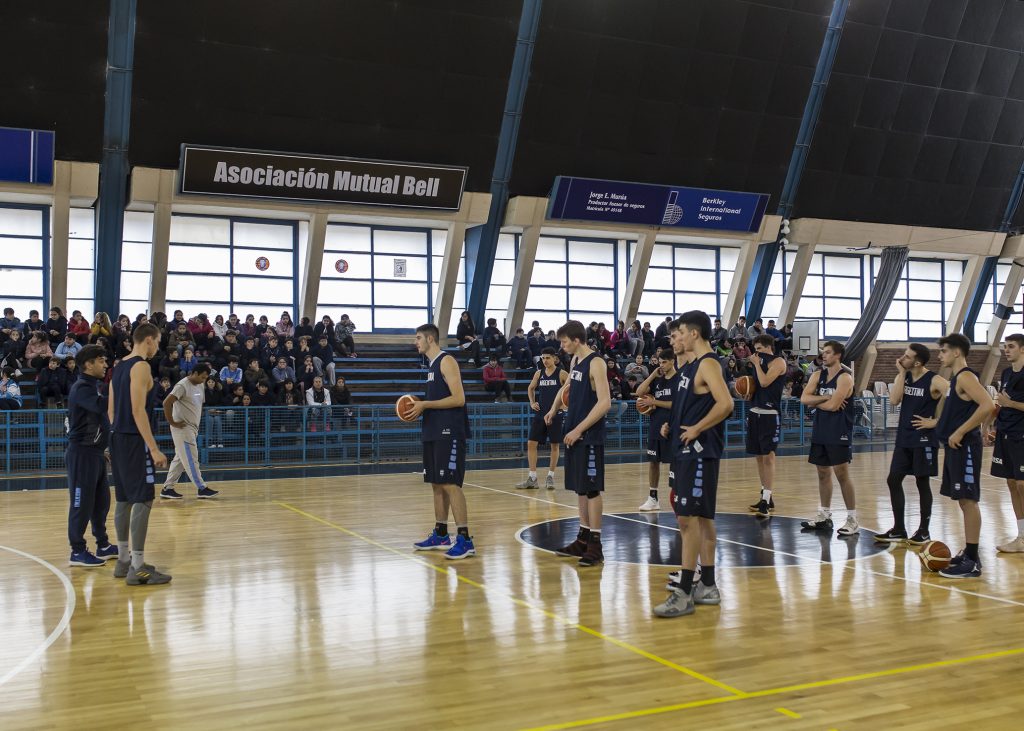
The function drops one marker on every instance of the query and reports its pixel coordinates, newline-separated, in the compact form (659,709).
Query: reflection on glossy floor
(297,604)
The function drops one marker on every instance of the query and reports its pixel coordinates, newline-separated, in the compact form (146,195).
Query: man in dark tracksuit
(88,435)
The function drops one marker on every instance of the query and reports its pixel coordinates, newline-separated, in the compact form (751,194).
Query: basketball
(645,406)
(403,405)
(935,555)
(565,396)
(745,386)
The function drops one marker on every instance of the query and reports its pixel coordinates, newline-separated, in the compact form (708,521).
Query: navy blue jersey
(917,401)
(1011,421)
(956,413)
(121,388)
(832,427)
(583,398)
(662,389)
(768,397)
(688,408)
(547,389)
(88,425)
(442,423)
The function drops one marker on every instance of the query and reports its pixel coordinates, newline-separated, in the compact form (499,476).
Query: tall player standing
(134,456)
(1008,437)
(920,395)
(828,392)
(657,391)
(967,406)
(445,431)
(764,424)
(701,405)
(589,401)
(542,391)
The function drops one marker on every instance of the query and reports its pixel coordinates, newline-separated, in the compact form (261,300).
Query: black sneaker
(891,536)
(764,509)
(207,494)
(169,493)
(821,522)
(593,554)
(919,538)
(756,507)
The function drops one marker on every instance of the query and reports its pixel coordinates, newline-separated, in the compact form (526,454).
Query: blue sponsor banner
(612,201)
(26,156)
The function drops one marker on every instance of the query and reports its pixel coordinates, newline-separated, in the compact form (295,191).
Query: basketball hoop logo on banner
(262,263)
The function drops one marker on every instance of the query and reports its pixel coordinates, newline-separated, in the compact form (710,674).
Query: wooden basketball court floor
(299,604)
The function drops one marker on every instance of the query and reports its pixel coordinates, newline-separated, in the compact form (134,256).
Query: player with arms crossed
(658,391)
(445,431)
(542,391)
(920,394)
(764,424)
(697,428)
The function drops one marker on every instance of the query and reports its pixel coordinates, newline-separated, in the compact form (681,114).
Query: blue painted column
(482,241)
(989,268)
(114,164)
(769,253)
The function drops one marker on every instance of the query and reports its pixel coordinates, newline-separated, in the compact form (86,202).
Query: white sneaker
(703,594)
(850,528)
(530,483)
(1014,546)
(650,504)
(549,482)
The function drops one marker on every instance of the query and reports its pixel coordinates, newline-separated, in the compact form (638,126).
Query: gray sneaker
(677,604)
(530,483)
(121,568)
(146,575)
(703,594)
(549,483)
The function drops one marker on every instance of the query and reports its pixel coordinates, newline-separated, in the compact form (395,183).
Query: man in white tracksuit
(183,408)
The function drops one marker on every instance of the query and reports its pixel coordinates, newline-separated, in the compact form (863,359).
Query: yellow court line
(736,693)
(778,691)
(787,712)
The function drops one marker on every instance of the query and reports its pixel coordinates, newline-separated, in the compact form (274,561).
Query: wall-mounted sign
(341,266)
(318,178)
(612,201)
(262,263)
(26,156)
(401,267)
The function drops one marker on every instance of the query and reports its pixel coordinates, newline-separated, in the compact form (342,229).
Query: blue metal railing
(258,436)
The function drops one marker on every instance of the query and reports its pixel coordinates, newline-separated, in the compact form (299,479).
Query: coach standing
(88,434)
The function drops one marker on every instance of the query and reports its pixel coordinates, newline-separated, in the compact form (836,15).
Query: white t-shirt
(189,406)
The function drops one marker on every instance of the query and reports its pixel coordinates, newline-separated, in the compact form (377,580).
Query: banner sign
(319,178)
(611,201)
(26,156)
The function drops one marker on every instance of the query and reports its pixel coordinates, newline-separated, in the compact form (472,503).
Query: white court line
(907,579)
(69,609)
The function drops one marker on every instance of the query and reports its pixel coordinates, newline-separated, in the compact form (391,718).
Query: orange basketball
(404,405)
(745,386)
(565,395)
(644,406)
(935,555)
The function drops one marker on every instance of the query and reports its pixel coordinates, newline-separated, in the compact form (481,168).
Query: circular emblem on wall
(262,263)
(341,265)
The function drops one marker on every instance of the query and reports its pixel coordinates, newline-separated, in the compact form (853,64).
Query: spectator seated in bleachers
(71,366)
(169,365)
(285,327)
(618,341)
(495,381)
(272,352)
(202,331)
(465,335)
(32,324)
(307,371)
(188,362)
(636,339)
(629,389)
(317,395)
(231,373)
(537,343)
(37,352)
(101,327)
(13,350)
(263,396)
(254,373)
(282,372)
(79,327)
(10,391)
(323,352)
(493,338)
(56,326)
(304,329)
(163,389)
(519,350)
(69,347)
(52,385)
(718,333)
(648,340)
(222,350)
(343,336)
(9,323)
(637,368)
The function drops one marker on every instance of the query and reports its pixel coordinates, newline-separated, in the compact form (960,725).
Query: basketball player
(658,391)
(1008,437)
(134,456)
(445,430)
(701,405)
(183,408)
(543,389)
(88,435)
(967,406)
(920,394)
(763,421)
(828,392)
(589,401)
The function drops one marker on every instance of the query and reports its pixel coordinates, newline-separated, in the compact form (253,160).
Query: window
(224,265)
(502,277)
(24,258)
(922,300)
(573,279)
(81,262)
(136,264)
(842,277)
(684,277)
(992,295)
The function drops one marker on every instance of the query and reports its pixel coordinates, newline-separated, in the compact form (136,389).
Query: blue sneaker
(463,548)
(964,569)
(434,542)
(85,559)
(108,552)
